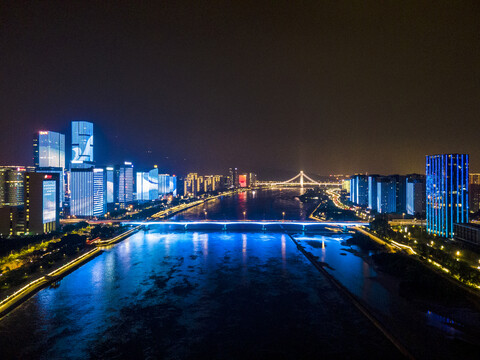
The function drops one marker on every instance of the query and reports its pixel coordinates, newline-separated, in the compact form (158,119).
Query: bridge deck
(267,223)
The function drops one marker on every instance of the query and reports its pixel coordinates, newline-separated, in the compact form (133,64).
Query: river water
(225,295)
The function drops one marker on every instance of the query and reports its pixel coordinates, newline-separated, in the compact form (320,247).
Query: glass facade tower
(446,192)
(82,141)
(88,192)
(49,149)
(125,184)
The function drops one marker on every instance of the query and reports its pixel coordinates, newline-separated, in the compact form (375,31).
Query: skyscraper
(88,192)
(446,192)
(147,185)
(233,178)
(49,157)
(41,204)
(191,184)
(386,195)
(49,149)
(359,190)
(372,192)
(11,185)
(110,175)
(415,194)
(82,142)
(99,192)
(125,183)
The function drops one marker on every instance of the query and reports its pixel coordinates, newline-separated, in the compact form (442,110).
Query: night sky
(271,87)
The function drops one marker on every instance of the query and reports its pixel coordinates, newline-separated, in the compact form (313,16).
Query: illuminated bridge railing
(247,225)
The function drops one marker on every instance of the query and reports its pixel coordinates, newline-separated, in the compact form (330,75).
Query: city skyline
(317,87)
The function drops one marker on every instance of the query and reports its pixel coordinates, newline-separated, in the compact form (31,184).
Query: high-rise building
(147,185)
(142,186)
(233,177)
(415,195)
(173,185)
(88,192)
(252,179)
(359,190)
(125,183)
(191,184)
(82,142)
(49,149)
(400,193)
(163,184)
(41,210)
(11,185)
(49,157)
(391,194)
(242,180)
(474,192)
(36,210)
(99,192)
(110,175)
(153,181)
(386,195)
(372,192)
(167,184)
(212,183)
(446,192)
(346,185)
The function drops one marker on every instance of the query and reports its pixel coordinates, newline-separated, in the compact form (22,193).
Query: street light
(244,213)
(283,215)
(205,211)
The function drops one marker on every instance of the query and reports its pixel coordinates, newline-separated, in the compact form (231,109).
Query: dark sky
(327,87)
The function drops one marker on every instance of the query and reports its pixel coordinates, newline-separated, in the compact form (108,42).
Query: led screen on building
(49,201)
(242,181)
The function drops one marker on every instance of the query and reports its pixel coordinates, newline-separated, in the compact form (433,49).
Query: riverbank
(21,295)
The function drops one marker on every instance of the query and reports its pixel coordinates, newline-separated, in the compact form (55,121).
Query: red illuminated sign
(242,180)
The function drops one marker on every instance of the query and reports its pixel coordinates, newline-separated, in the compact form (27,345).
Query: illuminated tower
(49,149)
(82,141)
(49,157)
(446,192)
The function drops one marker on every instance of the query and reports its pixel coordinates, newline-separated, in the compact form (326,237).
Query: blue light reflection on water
(171,293)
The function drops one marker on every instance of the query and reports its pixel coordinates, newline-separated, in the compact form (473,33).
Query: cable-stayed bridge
(301,179)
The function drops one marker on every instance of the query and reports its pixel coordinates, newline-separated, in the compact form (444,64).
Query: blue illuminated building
(372,192)
(110,178)
(41,210)
(82,142)
(88,192)
(359,190)
(415,195)
(446,192)
(49,149)
(125,184)
(352,189)
(167,184)
(49,157)
(153,181)
(147,185)
(99,192)
(386,195)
